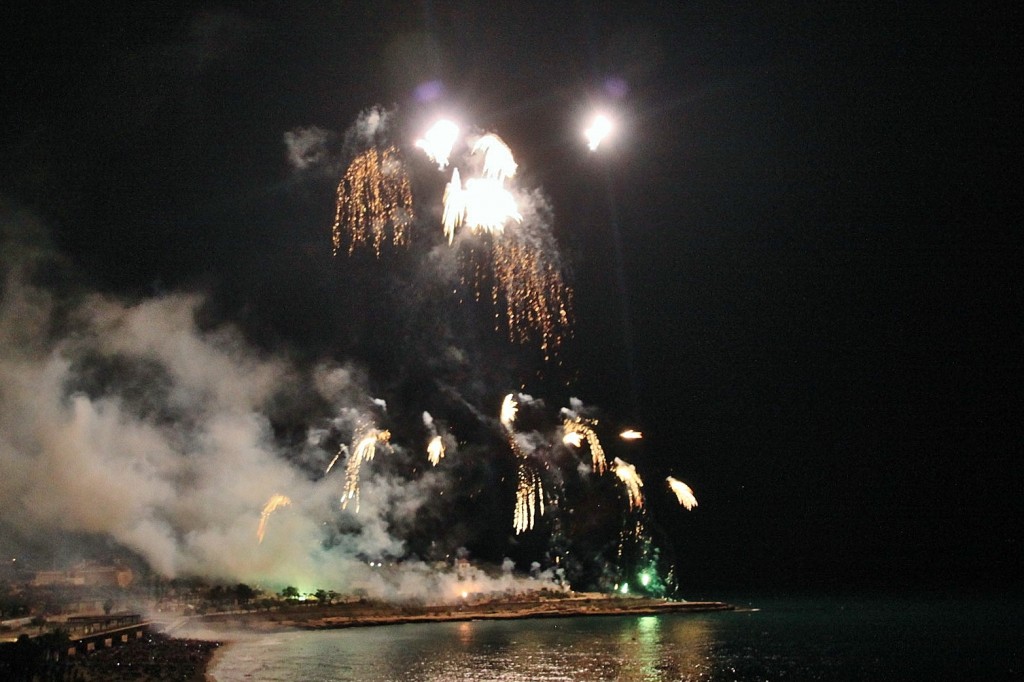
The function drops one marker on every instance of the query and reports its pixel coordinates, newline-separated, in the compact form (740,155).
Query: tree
(321,596)
(290,593)
(244,594)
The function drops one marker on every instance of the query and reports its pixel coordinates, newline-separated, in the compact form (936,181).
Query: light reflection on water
(602,648)
(809,639)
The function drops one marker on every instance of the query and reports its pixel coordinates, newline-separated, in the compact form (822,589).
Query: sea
(770,638)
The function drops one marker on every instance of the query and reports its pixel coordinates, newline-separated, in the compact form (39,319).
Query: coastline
(373,614)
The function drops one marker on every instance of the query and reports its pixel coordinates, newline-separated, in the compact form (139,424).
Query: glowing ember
(632,482)
(683,493)
(630,434)
(275,502)
(373,195)
(438,141)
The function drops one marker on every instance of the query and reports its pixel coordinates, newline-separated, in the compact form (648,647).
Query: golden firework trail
(341,448)
(529,498)
(524,281)
(537,301)
(632,481)
(363,450)
(630,434)
(435,450)
(373,196)
(577,428)
(498,161)
(683,493)
(438,141)
(275,502)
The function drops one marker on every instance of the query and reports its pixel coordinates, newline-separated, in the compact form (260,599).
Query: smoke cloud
(126,422)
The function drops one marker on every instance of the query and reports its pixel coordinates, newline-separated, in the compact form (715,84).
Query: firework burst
(509,409)
(435,450)
(632,482)
(275,502)
(498,162)
(438,141)
(536,299)
(363,450)
(529,497)
(373,196)
(683,493)
(578,428)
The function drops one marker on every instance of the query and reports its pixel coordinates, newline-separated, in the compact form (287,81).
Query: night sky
(796,266)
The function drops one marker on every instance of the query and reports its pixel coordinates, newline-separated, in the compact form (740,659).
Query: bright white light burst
(598,131)
(438,141)
(435,450)
(498,161)
(509,408)
(630,434)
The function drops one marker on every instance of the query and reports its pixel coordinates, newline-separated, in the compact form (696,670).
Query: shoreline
(375,614)
(379,614)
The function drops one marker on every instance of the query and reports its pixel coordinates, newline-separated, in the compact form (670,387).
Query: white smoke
(127,422)
(370,125)
(307,147)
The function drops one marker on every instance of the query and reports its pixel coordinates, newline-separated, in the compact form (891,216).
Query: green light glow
(624,589)
(645,578)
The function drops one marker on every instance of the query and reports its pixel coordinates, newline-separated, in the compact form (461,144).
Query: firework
(498,161)
(578,428)
(509,408)
(363,450)
(435,450)
(632,481)
(438,141)
(573,438)
(597,131)
(373,196)
(529,498)
(488,206)
(483,206)
(454,206)
(630,434)
(683,493)
(342,448)
(537,301)
(275,502)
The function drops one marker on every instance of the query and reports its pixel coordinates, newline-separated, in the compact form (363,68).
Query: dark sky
(796,268)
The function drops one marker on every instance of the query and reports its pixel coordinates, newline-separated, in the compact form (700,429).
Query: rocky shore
(154,658)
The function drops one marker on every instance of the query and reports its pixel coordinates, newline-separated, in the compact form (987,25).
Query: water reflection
(632,649)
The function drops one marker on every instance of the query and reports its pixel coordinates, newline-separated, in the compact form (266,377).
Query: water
(786,639)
